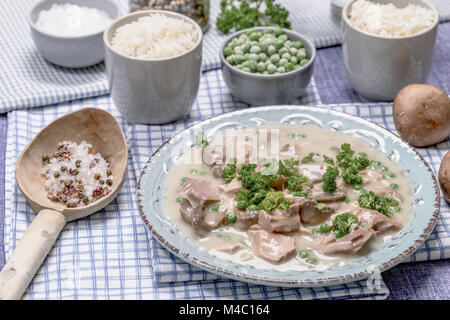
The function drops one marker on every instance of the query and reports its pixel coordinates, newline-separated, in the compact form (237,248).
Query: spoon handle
(29,253)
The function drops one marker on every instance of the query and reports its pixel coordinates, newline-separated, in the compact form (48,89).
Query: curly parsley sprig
(237,15)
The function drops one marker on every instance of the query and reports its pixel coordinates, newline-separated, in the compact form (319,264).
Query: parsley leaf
(369,200)
(275,200)
(342,224)
(229,172)
(309,158)
(329,180)
(351,164)
(242,14)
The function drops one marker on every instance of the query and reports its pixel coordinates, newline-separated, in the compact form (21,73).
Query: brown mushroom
(422,114)
(444,176)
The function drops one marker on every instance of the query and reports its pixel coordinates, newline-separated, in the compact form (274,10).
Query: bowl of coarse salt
(69,33)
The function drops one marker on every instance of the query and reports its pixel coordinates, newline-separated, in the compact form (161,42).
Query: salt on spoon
(104,133)
(72,20)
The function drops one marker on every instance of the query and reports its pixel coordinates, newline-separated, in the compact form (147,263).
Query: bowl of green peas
(267,65)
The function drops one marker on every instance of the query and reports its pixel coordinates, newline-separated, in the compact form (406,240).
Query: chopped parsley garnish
(329,180)
(201,140)
(275,200)
(243,14)
(351,163)
(342,223)
(229,172)
(328,160)
(385,205)
(309,158)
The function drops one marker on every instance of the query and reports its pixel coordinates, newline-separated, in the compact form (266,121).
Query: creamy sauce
(308,139)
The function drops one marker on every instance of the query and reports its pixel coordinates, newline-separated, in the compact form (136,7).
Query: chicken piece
(350,243)
(290,150)
(199,190)
(377,221)
(272,247)
(280,220)
(313,171)
(231,187)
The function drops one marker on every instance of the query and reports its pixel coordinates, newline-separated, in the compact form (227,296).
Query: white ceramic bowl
(153,91)
(379,67)
(71,51)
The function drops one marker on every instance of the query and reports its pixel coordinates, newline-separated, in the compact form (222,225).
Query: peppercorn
(78,163)
(68,183)
(74,172)
(109,182)
(63,168)
(108,172)
(97,176)
(56,174)
(101,182)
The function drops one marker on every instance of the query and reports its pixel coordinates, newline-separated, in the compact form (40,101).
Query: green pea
(255,49)
(346,200)
(246,47)
(283,37)
(242,204)
(184,179)
(298,44)
(253,56)
(203,173)
(271,50)
(271,68)
(254,36)
(262,57)
(282,51)
(303,254)
(288,44)
(321,206)
(301,54)
(246,69)
(238,58)
(238,50)
(281,70)
(384,168)
(304,61)
(275,58)
(215,207)
(227,51)
(291,135)
(289,66)
(278,44)
(230,59)
(261,66)
(357,187)
(293,60)
(193,171)
(324,228)
(278,31)
(231,217)
(311,260)
(282,62)
(253,207)
(286,56)
(179,199)
(391,175)
(393,186)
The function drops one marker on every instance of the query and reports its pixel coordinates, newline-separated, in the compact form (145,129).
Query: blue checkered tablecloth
(111,255)
(27,80)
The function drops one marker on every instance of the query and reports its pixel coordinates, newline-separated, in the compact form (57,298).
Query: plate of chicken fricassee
(289,196)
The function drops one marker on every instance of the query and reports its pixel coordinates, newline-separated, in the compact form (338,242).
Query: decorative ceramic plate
(151,188)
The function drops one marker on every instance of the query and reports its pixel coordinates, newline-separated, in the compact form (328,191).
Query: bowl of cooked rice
(387,46)
(153,65)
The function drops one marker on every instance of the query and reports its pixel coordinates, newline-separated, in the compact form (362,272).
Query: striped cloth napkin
(27,80)
(111,254)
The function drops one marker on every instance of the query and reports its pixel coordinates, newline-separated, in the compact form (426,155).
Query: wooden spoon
(95,126)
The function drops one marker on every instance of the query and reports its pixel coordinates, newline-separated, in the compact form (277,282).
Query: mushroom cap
(444,176)
(422,114)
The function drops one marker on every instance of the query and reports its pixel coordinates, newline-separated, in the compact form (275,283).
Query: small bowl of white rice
(153,63)
(387,45)
(69,33)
